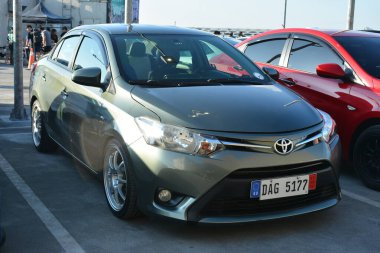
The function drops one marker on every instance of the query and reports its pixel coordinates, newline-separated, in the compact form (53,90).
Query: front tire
(367,157)
(41,139)
(119,181)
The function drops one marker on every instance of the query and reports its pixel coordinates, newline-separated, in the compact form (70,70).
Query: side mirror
(88,77)
(272,73)
(330,70)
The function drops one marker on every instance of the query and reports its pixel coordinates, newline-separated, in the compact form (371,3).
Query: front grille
(269,142)
(231,196)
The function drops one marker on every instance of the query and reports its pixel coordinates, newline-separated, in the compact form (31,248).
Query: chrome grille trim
(237,144)
(309,140)
(246,145)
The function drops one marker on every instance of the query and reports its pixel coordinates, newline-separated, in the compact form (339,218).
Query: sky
(259,14)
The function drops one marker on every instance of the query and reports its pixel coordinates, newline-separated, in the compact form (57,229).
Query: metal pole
(18,112)
(284,24)
(350,15)
(128,12)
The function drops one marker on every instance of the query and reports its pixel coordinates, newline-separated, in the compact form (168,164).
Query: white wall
(81,12)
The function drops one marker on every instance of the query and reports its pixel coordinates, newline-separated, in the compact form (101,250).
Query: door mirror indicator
(88,77)
(330,70)
(272,73)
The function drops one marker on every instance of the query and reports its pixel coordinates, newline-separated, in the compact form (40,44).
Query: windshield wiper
(234,80)
(172,83)
(142,81)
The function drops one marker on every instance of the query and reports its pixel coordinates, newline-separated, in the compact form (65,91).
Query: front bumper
(216,189)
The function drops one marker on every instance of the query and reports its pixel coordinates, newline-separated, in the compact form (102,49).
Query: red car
(338,72)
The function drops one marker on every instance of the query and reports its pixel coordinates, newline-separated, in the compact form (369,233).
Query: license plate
(283,187)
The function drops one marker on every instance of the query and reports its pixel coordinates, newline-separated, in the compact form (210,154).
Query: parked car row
(181,124)
(337,72)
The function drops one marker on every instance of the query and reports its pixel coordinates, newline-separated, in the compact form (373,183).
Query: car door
(303,55)
(86,113)
(56,75)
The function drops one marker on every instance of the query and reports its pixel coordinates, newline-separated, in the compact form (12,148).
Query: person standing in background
(10,45)
(28,40)
(54,36)
(64,31)
(46,39)
(37,42)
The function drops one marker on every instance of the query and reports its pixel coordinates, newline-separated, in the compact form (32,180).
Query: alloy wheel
(36,124)
(115,178)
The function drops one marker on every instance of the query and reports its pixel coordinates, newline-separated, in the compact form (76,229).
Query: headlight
(177,138)
(329,126)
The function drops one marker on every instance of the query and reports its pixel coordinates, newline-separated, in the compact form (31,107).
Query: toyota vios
(175,135)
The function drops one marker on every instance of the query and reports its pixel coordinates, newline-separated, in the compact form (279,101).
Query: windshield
(183,59)
(365,50)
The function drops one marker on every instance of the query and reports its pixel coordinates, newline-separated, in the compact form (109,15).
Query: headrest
(137,49)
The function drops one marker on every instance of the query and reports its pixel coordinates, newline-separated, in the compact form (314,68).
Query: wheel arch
(32,99)
(109,135)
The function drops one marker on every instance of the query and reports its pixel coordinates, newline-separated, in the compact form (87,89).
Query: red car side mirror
(330,70)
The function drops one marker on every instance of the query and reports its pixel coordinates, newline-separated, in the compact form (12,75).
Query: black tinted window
(182,59)
(67,49)
(268,51)
(365,50)
(307,55)
(91,54)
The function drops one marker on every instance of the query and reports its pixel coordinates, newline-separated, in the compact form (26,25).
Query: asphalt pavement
(49,203)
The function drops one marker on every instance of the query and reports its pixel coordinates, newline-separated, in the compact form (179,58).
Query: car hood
(229,108)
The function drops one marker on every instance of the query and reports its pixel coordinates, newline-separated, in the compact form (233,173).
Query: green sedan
(180,124)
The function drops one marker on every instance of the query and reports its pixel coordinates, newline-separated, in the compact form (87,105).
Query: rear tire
(119,181)
(41,139)
(367,157)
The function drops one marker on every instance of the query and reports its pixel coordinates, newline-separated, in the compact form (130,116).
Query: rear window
(365,51)
(268,51)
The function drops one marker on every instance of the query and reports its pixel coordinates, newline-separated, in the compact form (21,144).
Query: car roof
(140,28)
(317,32)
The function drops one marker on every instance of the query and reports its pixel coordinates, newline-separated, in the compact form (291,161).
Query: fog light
(164,195)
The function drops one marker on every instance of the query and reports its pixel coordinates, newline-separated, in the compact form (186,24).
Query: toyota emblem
(283,146)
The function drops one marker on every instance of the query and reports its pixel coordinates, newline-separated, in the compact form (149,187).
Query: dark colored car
(177,136)
(337,72)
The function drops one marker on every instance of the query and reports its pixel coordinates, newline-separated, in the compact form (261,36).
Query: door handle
(288,81)
(44,77)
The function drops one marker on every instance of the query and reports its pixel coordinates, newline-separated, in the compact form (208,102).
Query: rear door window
(306,55)
(67,50)
(268,51)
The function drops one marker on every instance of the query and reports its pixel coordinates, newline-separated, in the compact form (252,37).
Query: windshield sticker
(258,75)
